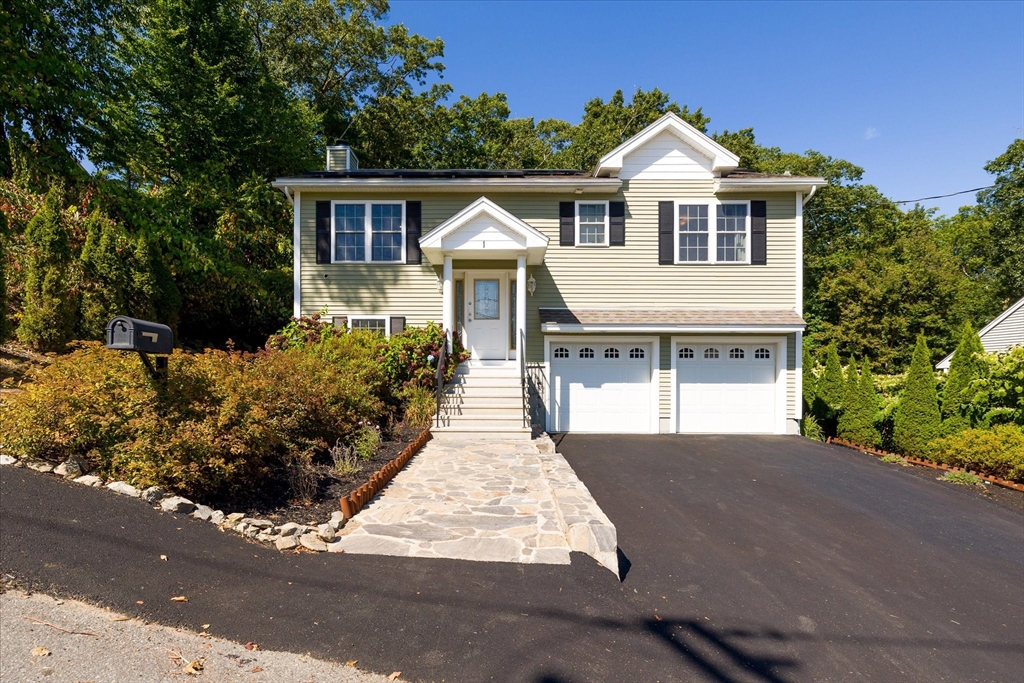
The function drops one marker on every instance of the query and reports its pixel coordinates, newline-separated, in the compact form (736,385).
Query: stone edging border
(354,501)
(289,536)
(928,463)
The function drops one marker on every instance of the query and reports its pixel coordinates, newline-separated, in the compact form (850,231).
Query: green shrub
(366,440)
(301,332)
(810,429)
(998,452)
(5,324)
(51,304)
(832,385)
(420,405)
(895,460)
(225,425)
(917,420)
(966,366)
(409,359)
(962,479)
(857,422)
(998,396)
(809,380)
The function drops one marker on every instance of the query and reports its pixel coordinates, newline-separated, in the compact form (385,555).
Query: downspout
(814,188)
(290,197)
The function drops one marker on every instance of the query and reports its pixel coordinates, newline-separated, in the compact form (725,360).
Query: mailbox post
(143,337)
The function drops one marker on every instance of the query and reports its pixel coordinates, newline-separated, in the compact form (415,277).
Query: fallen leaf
(351,662)
(394,676)
(256,669)
(179,598)
(40,652)
(251,646)
(163,557)
(195,667)
(139,602)
(206,626)
(657,617)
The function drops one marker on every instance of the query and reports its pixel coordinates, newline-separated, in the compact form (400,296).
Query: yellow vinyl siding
(573,277)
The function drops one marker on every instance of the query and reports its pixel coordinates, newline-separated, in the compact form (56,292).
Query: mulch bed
(333,486)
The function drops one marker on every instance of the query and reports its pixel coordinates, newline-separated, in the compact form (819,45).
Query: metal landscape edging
(354,501)
(927,463)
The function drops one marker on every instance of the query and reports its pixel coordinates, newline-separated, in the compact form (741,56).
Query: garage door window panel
(586,353)
(561,352)
(711,353)
(611,352)
(762,354)
(736,353)
(637,353)
(686,353)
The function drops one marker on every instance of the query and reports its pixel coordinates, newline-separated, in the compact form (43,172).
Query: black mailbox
(132,334)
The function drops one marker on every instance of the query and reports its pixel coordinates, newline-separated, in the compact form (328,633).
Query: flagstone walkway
(484,501)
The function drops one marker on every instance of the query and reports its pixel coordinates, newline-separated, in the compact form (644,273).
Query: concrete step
(481,422)
(485,382)
(484,403)
(463,371)
(478,433)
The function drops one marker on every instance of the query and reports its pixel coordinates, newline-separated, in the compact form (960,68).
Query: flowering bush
(410,359)
(301,332)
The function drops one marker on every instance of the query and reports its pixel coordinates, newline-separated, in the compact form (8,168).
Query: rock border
(284,537)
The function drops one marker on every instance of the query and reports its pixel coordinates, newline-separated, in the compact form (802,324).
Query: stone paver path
(486,501)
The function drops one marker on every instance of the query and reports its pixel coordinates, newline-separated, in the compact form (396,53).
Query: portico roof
(484,230)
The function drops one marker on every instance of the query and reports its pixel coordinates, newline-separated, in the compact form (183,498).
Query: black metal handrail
(442,359)
(521,356)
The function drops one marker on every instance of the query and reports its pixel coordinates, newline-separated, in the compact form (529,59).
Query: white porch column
(520,310)
(448,314)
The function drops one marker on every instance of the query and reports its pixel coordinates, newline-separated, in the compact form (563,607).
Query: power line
(940,196)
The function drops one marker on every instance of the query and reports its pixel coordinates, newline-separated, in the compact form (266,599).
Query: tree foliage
(1004,204)
(918,421)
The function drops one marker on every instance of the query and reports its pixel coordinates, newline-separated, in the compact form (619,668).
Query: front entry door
(487,317)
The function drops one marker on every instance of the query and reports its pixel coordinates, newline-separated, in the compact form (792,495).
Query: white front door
(487,311)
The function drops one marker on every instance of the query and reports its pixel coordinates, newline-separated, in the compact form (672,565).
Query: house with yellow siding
(660,292)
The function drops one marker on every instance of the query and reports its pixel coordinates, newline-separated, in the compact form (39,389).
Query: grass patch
(962,479)
(895,460)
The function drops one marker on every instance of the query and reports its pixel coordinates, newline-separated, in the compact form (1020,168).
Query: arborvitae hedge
(832,385)
(967,365)
(918,421)
(857,423)
(48,321)
(810,381)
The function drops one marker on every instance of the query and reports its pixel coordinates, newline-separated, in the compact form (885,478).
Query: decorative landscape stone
(217,517)
(153,494)
(71,468)
(326,533)
(313,542)
(177,504)
(203,512)
(286,543)
(124,488)
(7,459)
(89,480)
(38,465)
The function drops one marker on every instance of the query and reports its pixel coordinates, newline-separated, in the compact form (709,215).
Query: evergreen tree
(48,321)
(810,381)
(917,420)
(857,423)
(5,325)
(832,384)
(966,366)
(851,385)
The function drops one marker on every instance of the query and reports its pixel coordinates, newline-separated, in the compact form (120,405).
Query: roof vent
(341,158)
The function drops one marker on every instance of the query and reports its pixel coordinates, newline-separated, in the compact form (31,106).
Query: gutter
(570,185)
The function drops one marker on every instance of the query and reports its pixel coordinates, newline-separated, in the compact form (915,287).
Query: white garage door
(601,387)
(726,388)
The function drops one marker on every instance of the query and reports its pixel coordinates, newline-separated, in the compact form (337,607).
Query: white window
(686,352)
(586,352)
(561,352)
(710,353)
(592,224)
(371,232)
(374,323)
(699,238)
(736,354)
(693,233)
(636,353)
(731,232)
(611,352)
(762,354)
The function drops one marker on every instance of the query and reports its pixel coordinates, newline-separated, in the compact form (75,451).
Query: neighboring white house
(999,335)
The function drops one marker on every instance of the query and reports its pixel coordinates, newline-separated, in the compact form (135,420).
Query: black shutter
(666,217)
(323,232)
(567,223)
(617,224)
(397,323)
(413,213)
(758,233)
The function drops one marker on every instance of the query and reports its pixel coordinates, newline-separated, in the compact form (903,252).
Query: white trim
(386,318)
(655,359)
(607,223)
(297,255)
(669,329)
(367,229)
(582,185)
(798,379)
(721,158)
(712,204)
(799,254)
(780,346)
(448,299)
(536,242)
(505,278)
(944,363)
(794,183)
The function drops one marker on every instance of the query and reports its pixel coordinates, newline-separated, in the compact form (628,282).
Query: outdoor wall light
(531,285)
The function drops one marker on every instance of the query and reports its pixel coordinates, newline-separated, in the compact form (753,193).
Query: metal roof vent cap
(341,158)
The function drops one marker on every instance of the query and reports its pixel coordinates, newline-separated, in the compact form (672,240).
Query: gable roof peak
(722,160)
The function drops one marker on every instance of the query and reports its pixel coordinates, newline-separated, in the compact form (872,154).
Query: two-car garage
(714,385)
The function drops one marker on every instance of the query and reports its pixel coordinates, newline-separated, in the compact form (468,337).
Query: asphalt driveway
(751,559)
(814,561)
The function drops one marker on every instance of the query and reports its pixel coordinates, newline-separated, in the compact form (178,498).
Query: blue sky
(921,95)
